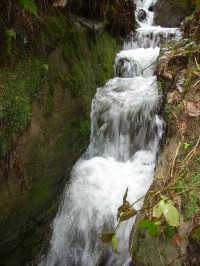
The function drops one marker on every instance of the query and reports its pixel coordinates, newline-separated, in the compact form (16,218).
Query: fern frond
(30,6)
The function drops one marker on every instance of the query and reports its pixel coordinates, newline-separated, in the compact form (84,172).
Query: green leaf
(128,214)
(171,214)
(154,231)
(125,196)
(170,202)
(169,231)
(158,209)
(106,237)
(30,6)
(145,223)
(151,227)
(115,243)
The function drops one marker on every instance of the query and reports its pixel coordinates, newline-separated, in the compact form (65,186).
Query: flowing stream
(125,132)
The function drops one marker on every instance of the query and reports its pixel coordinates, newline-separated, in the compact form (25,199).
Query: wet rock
(170,13)
(142,15)
(151,8)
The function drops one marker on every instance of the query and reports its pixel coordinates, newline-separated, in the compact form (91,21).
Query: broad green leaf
(125,196)
(115,243)
(128,214)
(171,214)
(106,237)
(145,223)
(158,209)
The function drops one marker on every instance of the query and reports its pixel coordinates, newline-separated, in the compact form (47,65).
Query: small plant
(186,145)
(30,6)
(165,216)
(159,86)
(125,212)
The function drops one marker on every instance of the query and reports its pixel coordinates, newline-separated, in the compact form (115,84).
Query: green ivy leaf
(106,237)
(171,214)
(158,209)
(115,243)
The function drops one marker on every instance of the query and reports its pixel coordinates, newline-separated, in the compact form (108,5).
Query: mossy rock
(170,13)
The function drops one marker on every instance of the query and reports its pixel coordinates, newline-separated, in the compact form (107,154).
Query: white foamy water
(124,143)
(151,37)
(136,62)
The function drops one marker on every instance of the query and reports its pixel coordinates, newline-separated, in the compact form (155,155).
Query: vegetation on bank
(178,174)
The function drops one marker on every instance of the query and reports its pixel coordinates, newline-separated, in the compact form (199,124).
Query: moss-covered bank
(57,93)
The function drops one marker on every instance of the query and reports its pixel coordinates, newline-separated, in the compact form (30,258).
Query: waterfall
(125,132)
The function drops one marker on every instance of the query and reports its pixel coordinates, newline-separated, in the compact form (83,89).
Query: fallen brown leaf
(192,108)
(61,3)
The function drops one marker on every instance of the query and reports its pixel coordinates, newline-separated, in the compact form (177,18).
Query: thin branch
(174,159)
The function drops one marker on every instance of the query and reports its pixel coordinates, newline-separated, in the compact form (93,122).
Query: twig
(102,254)
(196,63)
(174,159)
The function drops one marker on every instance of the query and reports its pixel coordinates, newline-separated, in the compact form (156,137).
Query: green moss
(55,32)
(19,87)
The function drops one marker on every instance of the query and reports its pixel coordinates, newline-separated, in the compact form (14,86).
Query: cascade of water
(125,134)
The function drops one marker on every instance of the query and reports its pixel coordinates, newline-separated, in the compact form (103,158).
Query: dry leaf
(168,75)
(197,73)
(192,108)
(176,240)
(61,3)
(173,97)
(180,80)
